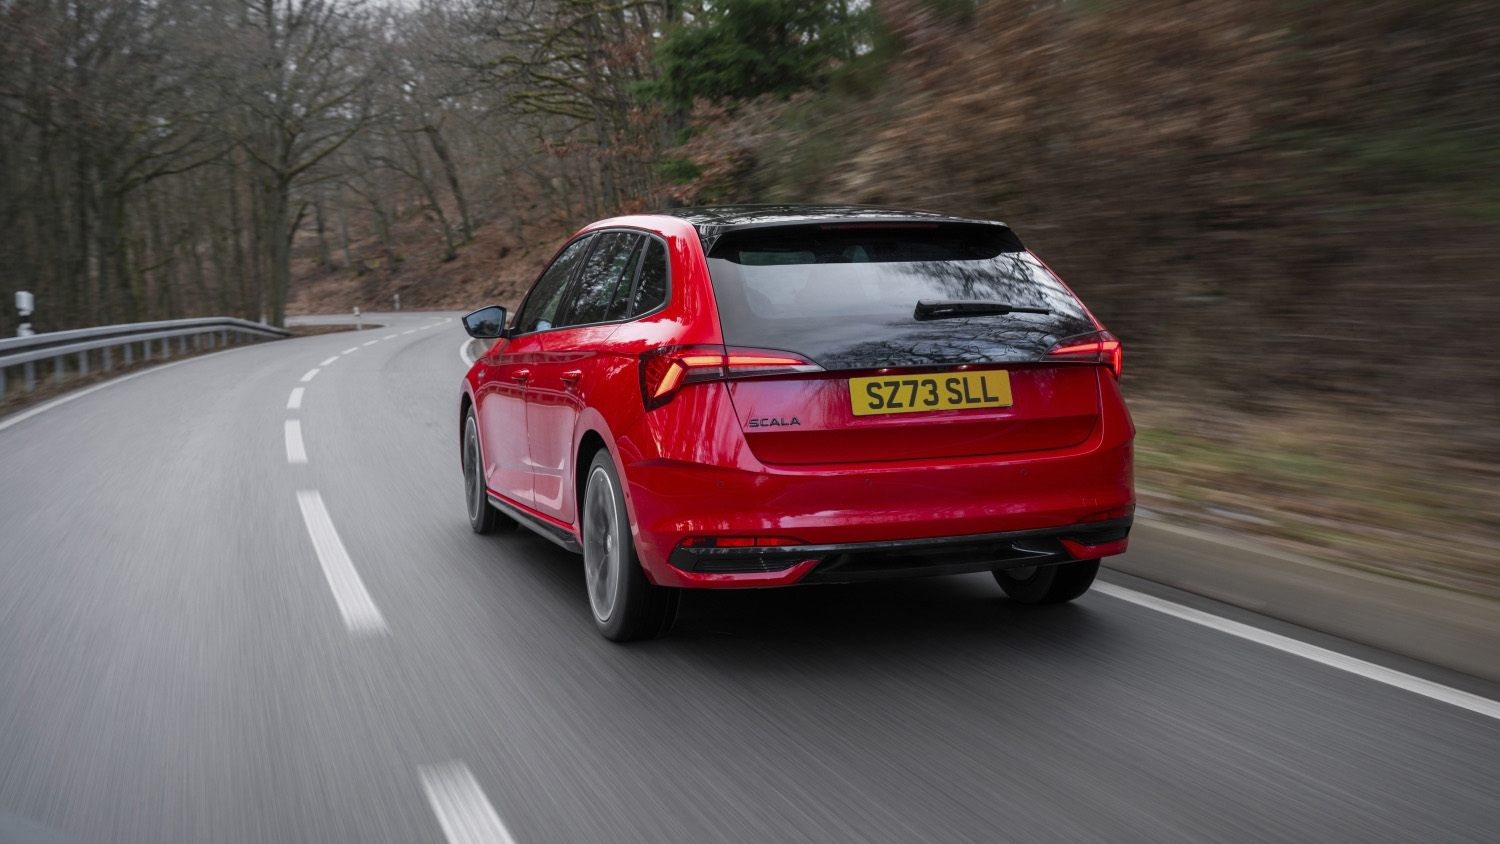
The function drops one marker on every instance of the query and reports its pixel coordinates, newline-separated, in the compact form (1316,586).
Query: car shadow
(921,619)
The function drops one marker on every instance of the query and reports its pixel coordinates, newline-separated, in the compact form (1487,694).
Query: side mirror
(486,323)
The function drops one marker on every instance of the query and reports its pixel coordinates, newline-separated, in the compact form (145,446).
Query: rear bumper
(851,562)
(685,477)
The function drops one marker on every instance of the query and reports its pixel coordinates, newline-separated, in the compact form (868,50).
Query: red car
(775,395)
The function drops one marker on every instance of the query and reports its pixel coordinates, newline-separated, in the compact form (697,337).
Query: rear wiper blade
(955,308)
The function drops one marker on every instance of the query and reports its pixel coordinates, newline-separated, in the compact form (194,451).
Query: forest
(1314,185)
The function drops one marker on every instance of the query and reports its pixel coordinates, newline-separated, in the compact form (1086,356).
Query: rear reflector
(1090,552)
(666,370)
(1100,347)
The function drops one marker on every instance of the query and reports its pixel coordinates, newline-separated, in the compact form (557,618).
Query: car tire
(625,605)
(483,518)
(1047,584)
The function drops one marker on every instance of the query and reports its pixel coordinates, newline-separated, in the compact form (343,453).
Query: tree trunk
(323,256)
(440,148)
(344,230)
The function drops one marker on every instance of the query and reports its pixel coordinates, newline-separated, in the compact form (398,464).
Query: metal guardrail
(60,346)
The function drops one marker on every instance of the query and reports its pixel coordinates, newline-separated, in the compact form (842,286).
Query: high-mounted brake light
(666,370)
(1095,347)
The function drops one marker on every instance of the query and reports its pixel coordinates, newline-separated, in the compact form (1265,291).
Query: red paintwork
(1053,407)
(692,467)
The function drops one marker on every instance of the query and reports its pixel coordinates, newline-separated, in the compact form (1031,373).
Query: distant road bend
(240,602)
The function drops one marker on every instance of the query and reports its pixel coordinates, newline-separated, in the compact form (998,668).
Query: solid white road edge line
(463,354)
(1322,656)
(460,805)
(311,374)
(359,610)
(330,360)
(78,394)
(294,401)
(295,451)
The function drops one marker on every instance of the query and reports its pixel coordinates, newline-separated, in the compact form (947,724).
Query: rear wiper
(953,309)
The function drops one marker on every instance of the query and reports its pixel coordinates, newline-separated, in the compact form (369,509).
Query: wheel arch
(591,443)
(465,402)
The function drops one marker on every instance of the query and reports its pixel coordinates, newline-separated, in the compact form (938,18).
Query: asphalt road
(187,656)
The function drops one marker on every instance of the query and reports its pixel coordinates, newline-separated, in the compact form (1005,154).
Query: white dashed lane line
(296,452)
(408,331)
(358,608)
(371,343)
(350,351)
(390,337)
(311,374)
(461,807)
(330,360)
(294,401)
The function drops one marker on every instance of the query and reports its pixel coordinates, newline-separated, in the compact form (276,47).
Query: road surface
(240,602)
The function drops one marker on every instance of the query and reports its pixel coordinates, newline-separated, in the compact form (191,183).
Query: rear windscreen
(846,296)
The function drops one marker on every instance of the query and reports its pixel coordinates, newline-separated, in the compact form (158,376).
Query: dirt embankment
(496,267)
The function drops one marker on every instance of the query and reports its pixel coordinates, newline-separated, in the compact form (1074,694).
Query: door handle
(521,376)
(572,376)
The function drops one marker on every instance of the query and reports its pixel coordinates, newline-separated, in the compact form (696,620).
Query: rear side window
(846,296)
(651,283)
(540,309)
(610,265)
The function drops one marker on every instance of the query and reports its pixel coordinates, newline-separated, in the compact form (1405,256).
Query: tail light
(1095,347)
(665,371)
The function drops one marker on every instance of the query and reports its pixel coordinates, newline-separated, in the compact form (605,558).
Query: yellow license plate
(943,391)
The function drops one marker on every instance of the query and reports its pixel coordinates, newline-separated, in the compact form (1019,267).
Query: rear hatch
(933,339)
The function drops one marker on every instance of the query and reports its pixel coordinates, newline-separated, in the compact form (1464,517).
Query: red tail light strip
(665,371)
(1094,347)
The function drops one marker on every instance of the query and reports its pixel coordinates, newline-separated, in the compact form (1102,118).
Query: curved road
(204,639)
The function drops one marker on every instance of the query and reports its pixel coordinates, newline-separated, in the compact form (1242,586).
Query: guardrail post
(3,385)
(83,363)
(182,344)
(109,362)
(197,342)
(146,350)
(57,369)
(29,375)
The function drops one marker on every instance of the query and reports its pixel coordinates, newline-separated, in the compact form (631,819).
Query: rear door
(903,380)
(568,365)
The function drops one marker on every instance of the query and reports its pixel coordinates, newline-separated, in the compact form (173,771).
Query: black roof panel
(712,221)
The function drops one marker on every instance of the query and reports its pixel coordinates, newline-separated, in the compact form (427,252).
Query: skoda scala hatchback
(740,397)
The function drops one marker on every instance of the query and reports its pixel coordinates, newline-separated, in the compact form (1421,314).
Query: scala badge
(772,422)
